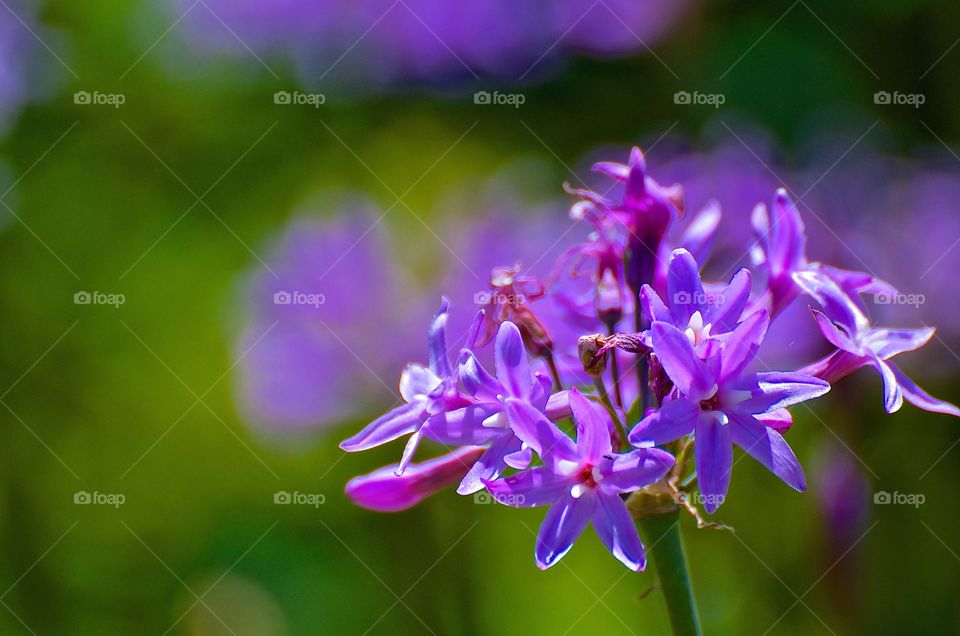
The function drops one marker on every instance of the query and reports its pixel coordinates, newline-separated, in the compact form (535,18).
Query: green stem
(661,533)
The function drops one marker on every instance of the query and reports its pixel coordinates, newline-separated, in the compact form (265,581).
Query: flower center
(696,332)
(587,479)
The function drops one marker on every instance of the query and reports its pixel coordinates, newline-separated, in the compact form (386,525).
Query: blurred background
(169,166)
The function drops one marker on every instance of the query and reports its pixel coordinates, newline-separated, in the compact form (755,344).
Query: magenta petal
(779,420)
(563,524)
(618,532)
(535,487)
(684,290)
(731,302)
(401,421)
(437,343)
(636,469)
(384,491)
(681,362)
(540,434)
(670,422)
(769,448)
(741,346)
(513,370)
(920,398)
(714,457)
(413,442)
(593,430)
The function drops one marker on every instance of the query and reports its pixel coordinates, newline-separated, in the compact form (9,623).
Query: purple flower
(719,403)
(430,393)
(581,482)
(484,421)
(689,308)
(844,324)
(780,249)
(385,490)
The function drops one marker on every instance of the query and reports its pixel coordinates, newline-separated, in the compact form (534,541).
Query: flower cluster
(678,368)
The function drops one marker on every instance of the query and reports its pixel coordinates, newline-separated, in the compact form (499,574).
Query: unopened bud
(594,362)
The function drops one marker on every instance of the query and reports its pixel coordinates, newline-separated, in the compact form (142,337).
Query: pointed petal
(769,448)
(731,302)
(489,465)
(920,398)
(476,328)
(401,421)
(437,341)
(887,343)
(413,442)
(384,491)
(417,381)
(670,422)
(563,524)
(778,390)
(542,386)
(534,487)
(699,235)
(476,380)
(892,396)
(634,470)
(617,530)
(779,420)
(540,434)
(684,289)
(513,370)
(740,348)
(714,456)
(786,235)
(834,335)
(652,305)
(519,460)
(593,430)
(681,362)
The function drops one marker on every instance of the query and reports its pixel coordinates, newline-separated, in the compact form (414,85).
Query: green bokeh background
(92,389)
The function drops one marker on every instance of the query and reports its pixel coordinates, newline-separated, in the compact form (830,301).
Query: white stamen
(497,420)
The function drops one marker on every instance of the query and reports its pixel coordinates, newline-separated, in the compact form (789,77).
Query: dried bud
(594,362)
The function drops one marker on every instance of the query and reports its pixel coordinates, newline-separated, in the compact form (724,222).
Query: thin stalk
(661,533)
(643,368)
(554,371)
(605,399)
(615,371)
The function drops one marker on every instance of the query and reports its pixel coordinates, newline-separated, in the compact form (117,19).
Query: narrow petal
(519,460)
(401,421)
(476,327)
(534,487)
(476,380)
(681,362)
(684,289)
(779,390)
(384,491)
(834,335)
(670,422)
(698,237)
(464,426)
(892,396)
(513,370)
(593,430)
(920,398)
(714,456)
(742,345)
(835,366)
(558,406)
(887,343)
(540,434)
(563,524)
(787,239)
(437,341)
(837,304)
(769,448)
(729,305)
(542,386)
(652,305)
(779,420)
(489,465)
(417,381)
(409,449)
(617,530)
(634,470)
